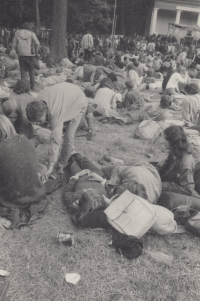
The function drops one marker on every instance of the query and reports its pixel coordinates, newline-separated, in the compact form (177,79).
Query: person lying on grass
(85,194)
(143,173)
(20,187)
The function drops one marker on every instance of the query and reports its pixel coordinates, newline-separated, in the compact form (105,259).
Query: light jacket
(22,42)
(87,42)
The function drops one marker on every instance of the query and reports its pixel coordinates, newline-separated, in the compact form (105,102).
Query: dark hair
(35,110)
(69,80)
(112,76)
(150,73)
(91,200)
(89,92)
(177,139)
(135,63)
(27,26)
(192,88)
(165,101)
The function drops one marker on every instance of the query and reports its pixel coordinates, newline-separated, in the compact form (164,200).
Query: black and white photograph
(99,150)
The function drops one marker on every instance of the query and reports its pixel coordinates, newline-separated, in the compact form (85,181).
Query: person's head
(12,110)
(181,70)
(192,88)
(192,73)
(165,101)
(7,130)
(37,111)
(130,85)
(186,48)
(176,140)
(27,26)
(130,67)
(149,73)
(89,92)
(135,63)
(91,200)
(112,76)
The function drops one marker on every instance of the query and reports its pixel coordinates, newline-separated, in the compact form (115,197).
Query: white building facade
(178,12)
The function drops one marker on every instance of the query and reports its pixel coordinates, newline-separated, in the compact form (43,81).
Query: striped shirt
(106,101)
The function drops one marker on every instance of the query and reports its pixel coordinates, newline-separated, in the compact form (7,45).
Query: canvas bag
(131,215)
(149,129)
(165,223)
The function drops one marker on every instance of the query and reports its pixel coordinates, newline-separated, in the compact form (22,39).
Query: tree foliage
(95,15)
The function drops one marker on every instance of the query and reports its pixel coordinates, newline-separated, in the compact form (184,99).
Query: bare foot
(4,223)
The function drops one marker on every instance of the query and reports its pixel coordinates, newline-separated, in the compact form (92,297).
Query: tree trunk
(58,49)
(122,18)
(37,27)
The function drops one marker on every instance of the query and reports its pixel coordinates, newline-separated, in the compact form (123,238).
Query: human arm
(15,42)
(96,178)
(37,43)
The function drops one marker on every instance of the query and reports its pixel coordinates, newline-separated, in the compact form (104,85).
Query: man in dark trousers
(26,45)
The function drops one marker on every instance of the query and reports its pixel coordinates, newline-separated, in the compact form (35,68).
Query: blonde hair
(7,130)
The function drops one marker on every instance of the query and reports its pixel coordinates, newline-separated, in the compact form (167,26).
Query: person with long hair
(20,186)
(179,166)
(12,110)
(180,76)
(191,104)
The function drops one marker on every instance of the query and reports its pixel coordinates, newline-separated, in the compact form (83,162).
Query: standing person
(87,45)
(151,46)
(22,43)
(61,104)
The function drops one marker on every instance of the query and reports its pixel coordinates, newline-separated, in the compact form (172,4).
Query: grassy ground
(36,261)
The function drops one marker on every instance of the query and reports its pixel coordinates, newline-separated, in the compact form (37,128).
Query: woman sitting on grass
(177,172)
(12,110)
(158,112)
(20,187)
(191,105)
(180,76)
(178,168)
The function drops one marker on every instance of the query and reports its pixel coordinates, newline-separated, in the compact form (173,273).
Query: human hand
(45,176)
(94,177)
(4,223)
(83,172)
